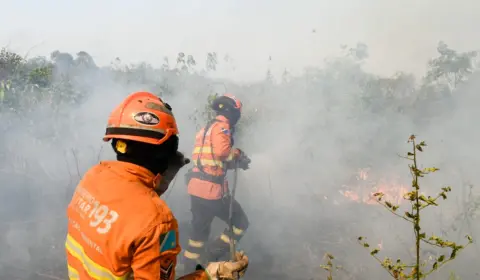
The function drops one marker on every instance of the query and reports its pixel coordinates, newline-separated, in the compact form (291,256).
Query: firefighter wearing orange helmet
(213,155)
(118,226)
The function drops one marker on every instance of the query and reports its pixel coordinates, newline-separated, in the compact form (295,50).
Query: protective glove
(175,163)
(240,159)
(229,269)
(243,161)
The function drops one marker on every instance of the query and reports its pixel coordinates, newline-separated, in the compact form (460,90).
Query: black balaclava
(233,116)
(152,157)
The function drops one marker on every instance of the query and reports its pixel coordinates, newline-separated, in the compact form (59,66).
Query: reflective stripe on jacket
(118,227)
(211,152)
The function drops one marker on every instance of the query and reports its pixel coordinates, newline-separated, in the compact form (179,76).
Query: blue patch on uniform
(226,131)
(168,241)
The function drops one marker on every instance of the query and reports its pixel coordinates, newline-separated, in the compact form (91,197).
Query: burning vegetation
(392,187)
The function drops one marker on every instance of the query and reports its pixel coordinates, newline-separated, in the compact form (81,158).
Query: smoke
(307,139)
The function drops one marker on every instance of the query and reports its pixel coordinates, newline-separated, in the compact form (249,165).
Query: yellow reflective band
(94,270)
(210,277)
(237,231)
(209,162)
(226,239)
(190,255)
(196,244)
(231,156)
(205,149)
(73,273)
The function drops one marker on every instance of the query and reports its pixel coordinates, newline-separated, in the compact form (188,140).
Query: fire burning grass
(392,190)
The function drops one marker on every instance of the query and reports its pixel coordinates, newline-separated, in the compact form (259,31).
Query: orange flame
(392,191)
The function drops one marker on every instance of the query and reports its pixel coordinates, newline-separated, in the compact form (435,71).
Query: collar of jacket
(133,172)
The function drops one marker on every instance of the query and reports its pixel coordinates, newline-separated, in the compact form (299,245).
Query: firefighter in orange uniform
(213,155)
(118,227)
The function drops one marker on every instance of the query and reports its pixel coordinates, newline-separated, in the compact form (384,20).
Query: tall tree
(211,63)
(450,67)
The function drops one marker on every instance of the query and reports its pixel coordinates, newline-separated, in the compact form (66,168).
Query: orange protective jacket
(119,228)
(212,152)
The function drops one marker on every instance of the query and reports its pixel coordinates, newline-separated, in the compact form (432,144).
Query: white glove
(231,270)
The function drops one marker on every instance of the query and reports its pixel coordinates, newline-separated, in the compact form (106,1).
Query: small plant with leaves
(329,267)
(204,116)
(419,269)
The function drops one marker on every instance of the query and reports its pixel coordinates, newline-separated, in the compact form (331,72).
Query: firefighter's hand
(229,270)
(243,161)
(175,163)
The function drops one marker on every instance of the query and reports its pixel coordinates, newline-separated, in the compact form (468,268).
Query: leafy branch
(329,266)
(418,202)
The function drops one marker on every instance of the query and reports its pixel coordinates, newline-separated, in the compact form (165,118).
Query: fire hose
(230,216)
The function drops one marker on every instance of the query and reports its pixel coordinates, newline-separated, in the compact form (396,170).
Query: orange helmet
(142,117)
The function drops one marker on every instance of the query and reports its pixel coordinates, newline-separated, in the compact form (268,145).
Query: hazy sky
(401,34)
